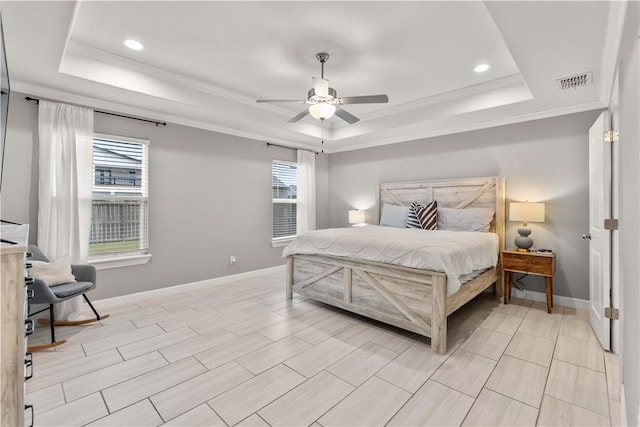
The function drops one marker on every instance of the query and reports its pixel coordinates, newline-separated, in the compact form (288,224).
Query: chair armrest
(84,273)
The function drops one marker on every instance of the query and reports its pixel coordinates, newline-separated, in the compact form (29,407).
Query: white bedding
(455,253)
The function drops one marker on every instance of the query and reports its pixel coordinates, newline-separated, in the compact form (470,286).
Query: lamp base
(522,250)
(523,241)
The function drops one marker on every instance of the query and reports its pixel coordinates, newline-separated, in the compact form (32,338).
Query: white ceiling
(206,62)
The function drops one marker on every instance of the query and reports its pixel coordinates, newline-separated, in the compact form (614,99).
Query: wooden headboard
(450,193)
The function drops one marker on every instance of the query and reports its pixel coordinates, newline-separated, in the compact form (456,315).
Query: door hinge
(611,313)
(611,136)
(610,224)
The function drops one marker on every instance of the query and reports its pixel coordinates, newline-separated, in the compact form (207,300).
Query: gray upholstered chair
(43,294)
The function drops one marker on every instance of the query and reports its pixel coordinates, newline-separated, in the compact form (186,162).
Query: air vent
(574,82)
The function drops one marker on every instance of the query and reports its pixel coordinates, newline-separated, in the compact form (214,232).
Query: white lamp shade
(356,216)
(322,110)
(526,212)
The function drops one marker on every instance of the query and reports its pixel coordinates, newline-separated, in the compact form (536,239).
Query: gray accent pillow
(394,216)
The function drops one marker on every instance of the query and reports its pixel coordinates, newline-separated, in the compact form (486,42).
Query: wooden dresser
(12,318)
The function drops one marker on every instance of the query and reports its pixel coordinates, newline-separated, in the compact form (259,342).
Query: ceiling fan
(324,102)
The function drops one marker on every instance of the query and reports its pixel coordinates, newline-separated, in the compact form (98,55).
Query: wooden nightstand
(538,263)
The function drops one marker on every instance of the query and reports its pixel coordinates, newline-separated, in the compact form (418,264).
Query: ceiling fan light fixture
(322,110)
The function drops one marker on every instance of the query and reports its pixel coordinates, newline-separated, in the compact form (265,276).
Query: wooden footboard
(411,299)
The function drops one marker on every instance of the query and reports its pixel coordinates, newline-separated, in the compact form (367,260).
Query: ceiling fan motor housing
(313,98)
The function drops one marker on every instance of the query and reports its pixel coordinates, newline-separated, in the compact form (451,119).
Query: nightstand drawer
(528,263)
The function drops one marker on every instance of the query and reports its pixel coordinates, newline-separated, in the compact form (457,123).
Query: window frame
(128,258)
(284,240)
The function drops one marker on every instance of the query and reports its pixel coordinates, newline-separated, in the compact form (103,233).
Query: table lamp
(356,217)
(525,212)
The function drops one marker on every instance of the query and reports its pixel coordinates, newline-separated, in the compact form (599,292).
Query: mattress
(455,253)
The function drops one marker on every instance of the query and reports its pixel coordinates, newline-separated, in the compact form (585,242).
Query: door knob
(586,236)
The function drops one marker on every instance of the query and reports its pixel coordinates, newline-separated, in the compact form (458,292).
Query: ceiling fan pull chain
(322,139)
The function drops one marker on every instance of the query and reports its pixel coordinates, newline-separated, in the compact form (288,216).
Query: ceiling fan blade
(297,101)
(368,99)
(346,116)
(321,86)
(299,116)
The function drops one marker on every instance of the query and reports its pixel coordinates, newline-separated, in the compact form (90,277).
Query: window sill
(119,261)
(278,243)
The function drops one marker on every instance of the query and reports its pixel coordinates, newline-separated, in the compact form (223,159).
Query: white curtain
(64,196)
(306,195)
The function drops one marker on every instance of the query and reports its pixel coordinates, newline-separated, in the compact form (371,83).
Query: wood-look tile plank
(152,319)
(140,414)
(319,357)
(92,382)
(467,320)
(372,404)
(200,416)
(519,380)
(464,371)
(143,386)
(191,393)
(103,344)
(503,323)
(45,399)
(487,343)
(305,403)
(615,412)
(433,405)
(197,317)
(541,325)
(493,409)
(253,421)
(358,366)
(397,340)
(578,329)
(72,368)
(555,412)
(254,324)
(238,403)
(89,332)
(579,386)
(324,329)
(531,348)
(412,368)
(135,349)
(613,380)
(272,354)
(230,350)
(585,352)
(359,334)
(79,412)
(197,344)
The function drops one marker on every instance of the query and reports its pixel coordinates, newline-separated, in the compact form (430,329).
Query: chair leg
(53,331)
(91,305)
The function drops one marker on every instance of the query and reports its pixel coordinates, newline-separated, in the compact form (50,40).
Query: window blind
(284,178)
(120,206)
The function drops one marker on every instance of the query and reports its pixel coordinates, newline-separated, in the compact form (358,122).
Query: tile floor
(237,353)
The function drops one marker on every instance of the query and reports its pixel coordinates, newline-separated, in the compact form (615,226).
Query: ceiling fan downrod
(322,57)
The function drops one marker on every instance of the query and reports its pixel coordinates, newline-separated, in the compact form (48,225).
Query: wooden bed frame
(409,298)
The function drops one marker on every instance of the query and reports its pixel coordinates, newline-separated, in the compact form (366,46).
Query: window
(284,177)
(120,210)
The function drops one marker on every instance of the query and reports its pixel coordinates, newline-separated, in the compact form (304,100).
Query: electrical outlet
(232,259)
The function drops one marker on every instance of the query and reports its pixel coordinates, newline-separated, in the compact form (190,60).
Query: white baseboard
(580,304)
(179,288)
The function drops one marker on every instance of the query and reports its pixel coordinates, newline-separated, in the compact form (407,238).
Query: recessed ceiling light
(481,68)
(133,44)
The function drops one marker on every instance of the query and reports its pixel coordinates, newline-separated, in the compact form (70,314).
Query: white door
(600,238)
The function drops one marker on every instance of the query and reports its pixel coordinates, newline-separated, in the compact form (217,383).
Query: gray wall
(544,160)
(209,198)
(629,174)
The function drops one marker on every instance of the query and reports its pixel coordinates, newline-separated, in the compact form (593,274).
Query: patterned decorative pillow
(425,217)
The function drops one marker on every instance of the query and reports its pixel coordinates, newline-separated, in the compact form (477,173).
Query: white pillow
(394,216)
(52,273)
(470,219)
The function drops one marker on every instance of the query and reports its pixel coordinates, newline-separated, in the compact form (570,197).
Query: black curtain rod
(157,123)
(269,144)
